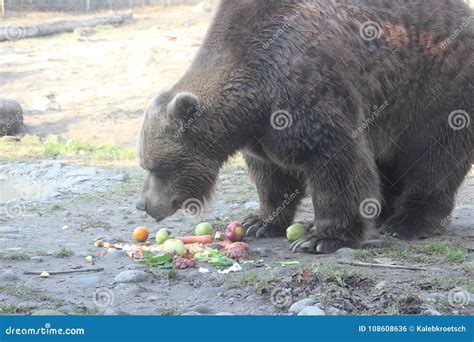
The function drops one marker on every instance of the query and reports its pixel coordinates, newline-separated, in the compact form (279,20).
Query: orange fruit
(140,234)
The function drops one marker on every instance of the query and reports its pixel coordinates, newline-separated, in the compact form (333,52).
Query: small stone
(201,309)
(431,312)
(44,274)
(116,254)
(36,259)
(296,307)
(345,253)
(191,313)
(131,276)
(469,257)
(224,314)
(8,230)
(47,312)
(433,297)
(312,311)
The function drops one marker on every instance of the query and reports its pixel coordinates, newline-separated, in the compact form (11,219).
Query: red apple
(235,232)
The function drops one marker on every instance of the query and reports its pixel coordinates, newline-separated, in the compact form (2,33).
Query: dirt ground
(72,179)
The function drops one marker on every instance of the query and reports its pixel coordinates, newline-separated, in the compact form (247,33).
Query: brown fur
(308,58)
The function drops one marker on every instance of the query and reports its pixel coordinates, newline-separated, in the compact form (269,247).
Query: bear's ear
(183,107)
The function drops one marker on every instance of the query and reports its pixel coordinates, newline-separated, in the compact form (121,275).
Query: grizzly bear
(365,105)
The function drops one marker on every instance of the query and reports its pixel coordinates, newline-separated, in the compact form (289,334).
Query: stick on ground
(66,272)
(368,264)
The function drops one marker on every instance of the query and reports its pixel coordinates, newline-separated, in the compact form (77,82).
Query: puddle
(10,190)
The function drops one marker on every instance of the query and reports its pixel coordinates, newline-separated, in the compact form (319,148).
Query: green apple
(295,232)
(203,228)
(173,245)
(162,235)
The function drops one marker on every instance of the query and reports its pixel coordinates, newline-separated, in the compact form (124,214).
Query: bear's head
(173,148)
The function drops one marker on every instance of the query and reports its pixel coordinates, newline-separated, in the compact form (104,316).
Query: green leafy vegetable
(157,260)
(215,257)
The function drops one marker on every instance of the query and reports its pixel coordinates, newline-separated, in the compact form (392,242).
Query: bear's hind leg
(279,191)
(430,186)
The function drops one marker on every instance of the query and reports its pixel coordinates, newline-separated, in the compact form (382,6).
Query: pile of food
(224,250)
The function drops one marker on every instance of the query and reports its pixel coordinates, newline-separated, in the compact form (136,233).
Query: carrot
(195,239)
(242,245)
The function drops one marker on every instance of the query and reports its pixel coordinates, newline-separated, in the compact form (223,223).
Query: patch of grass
(15,255)
(55,207)
(172,312)
(451,252)
(33,146)
(447,283)
(250,279)
(85,311)
(63,252)
(363,254)
(334,273)
(399,254)
(90,222)
(423,259)
(23,292)
(468,267)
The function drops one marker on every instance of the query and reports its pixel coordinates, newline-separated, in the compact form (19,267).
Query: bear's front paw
(256,227)
(313,244)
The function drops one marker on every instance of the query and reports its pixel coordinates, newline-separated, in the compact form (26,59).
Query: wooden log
(60,26)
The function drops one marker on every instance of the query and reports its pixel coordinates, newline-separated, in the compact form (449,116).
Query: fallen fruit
(182,263)
(237,253)
(203,228)
(141,234)
(174,245)
(235,232)
(295,232)
(238,244)
(162,235)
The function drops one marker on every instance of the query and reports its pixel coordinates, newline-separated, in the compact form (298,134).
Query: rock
(47,312)
(431,312)
(312,311)
(252,205)
(191,313)
(335,311)
(224,314)
(53,172)
(139,267)
(8,230)
(201,309)
(36,259)
(433,297)
(87,171)
(469,257)
(8,276)
(11,117)
(120,177)
(375,243)
(114,312)
(345,253)
(132,276)
(296,307)
(116,254)
(202,7)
